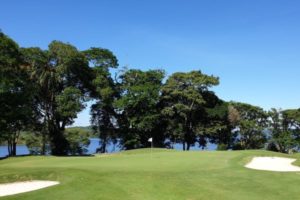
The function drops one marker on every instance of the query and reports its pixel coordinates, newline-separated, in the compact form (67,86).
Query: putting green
(166,175)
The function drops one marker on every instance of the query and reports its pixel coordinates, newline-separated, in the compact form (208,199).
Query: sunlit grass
(162,175)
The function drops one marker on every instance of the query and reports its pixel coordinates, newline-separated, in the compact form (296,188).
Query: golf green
(162,175)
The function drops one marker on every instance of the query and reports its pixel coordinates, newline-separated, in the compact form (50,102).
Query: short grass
(166,175)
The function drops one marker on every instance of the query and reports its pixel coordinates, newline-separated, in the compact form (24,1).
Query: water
(209,147)
(94,144)
(21,150)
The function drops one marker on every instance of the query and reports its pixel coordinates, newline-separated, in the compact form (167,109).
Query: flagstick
(151,147)
(151,140)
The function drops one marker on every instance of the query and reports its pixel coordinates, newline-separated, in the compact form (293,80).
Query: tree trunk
(103,144)
(59,144)
(9,148)
(43,143)
(183,146)
(14,142)
(188,135)
(103,147)
(14,149)
(44,134)
(188,146)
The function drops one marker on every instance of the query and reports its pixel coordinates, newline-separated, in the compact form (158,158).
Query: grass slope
(167,175)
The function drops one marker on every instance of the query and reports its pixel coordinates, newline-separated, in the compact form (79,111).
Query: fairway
(166,175)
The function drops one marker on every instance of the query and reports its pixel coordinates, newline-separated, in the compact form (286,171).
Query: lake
(94,144)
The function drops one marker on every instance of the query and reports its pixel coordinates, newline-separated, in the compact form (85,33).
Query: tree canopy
(138,108)
(43,90)
(185,97)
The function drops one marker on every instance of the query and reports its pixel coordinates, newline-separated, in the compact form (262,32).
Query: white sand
(27,186)
(277,164)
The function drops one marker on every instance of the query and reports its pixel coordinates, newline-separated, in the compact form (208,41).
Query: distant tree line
(42,91)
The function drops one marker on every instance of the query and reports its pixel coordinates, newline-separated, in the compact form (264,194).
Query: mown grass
(166,175)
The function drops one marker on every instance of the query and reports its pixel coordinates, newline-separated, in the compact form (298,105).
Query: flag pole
(151,147)
(151,140)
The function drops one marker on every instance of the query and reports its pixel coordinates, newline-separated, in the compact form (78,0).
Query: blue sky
(252,45)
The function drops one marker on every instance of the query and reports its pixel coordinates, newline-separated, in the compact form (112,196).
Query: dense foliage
(42,91)
(138,108)
(185,97)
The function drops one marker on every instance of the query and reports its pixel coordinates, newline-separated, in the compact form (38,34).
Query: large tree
(186,96)
(284,128)
(15,93)
(63,79)
(138,108)
(42,77)
(250,127)
(103,115)
(223,119)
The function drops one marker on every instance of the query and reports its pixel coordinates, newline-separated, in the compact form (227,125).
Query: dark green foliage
(63,80)
(42,91)
(222,147)
(15,93)
(84,130)
(77,137)
(284,127)
(102,58)
(103,115)
(78,141)
(185,97)
(222,119)
(34,142)
(138,107)
(250,126)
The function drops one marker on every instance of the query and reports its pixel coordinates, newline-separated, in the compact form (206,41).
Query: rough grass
(166,175)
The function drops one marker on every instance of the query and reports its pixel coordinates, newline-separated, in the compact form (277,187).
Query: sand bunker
(277,164)
(27,186)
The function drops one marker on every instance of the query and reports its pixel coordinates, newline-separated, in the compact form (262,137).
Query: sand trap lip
(277,164)
(26,186)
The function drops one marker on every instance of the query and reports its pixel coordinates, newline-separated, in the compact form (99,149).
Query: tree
(63,80)
(78,141)
(223,119)
(250,127)
(35,143)
(15,93)
(77,137)
(138,107)
(292,117)
(186,96)
(284,127)
(103,115)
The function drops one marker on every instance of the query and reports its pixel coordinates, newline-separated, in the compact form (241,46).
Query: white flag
(150,139)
